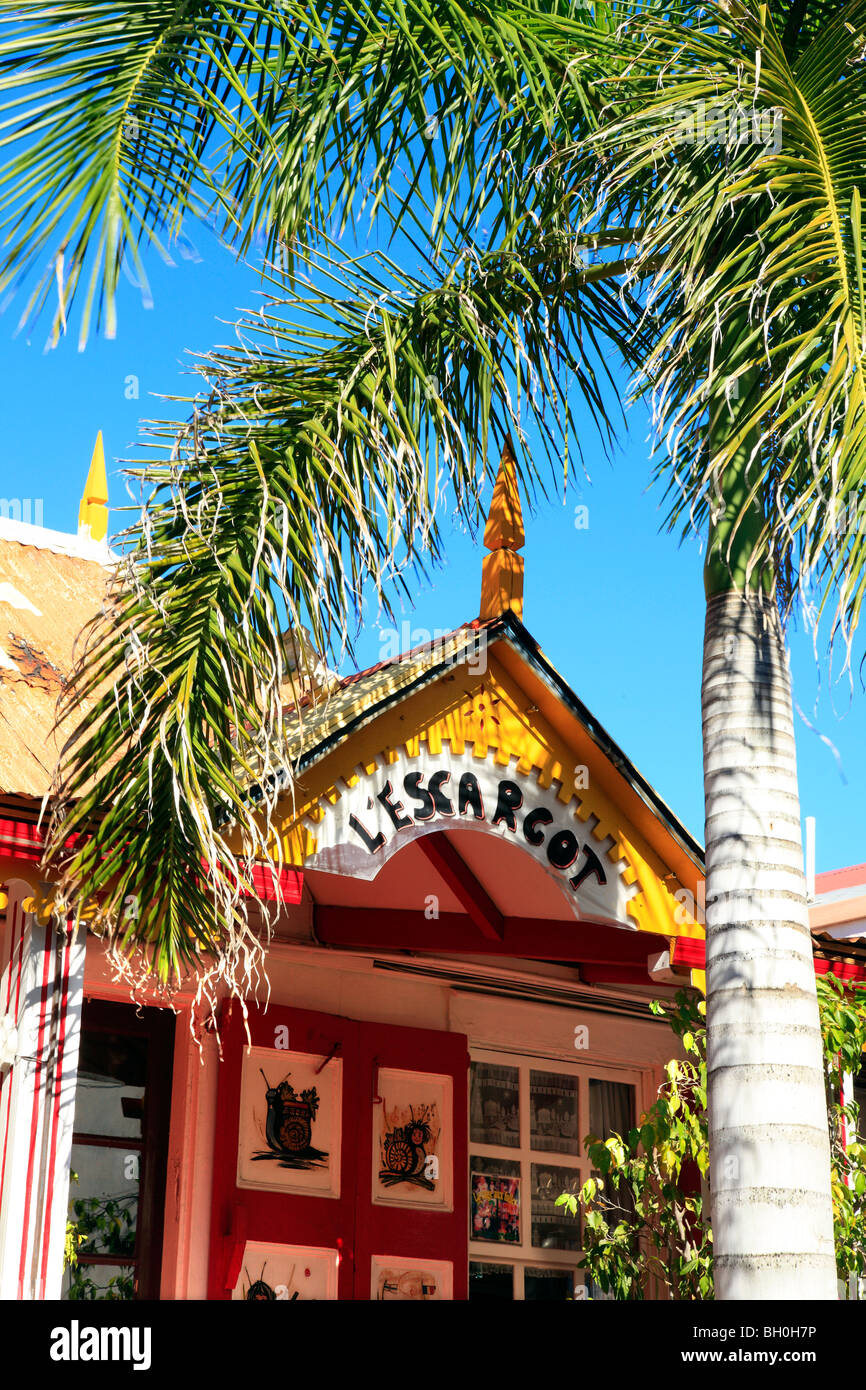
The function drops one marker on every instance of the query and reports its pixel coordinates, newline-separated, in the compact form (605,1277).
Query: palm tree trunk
(769,1145)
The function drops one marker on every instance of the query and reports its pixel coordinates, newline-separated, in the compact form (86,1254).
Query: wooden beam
(21,840)
(615,974)
(455,872)
(689,953)
(527,938)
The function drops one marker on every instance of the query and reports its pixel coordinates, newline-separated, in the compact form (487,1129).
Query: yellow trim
(655,902)
(486,713)
(93,509)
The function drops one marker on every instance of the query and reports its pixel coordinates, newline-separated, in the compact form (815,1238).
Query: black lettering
(540,816)
(394,810)
(469,794)
(372,842)
(562,849)
(440,800)
(593,865)
(412,787)
(509,800)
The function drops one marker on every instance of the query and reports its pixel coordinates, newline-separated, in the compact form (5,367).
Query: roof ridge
(849,876)
(472,627)
(77,546)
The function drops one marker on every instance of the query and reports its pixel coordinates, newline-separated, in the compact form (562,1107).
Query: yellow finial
(93,510)
(502,570)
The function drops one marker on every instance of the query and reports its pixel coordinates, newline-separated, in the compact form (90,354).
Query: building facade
(483,895)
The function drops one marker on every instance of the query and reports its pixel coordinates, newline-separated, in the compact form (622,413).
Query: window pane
(552,1226)
(103,1203)
(551,1285)
(595,1293)
(490,1281)
(109,1095)
(494,1200)
(88,1282)
(611,1108)
(553,1112)
(494,1111)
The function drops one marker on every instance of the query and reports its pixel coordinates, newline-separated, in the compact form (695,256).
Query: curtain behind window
(611,1108)
(611,1111)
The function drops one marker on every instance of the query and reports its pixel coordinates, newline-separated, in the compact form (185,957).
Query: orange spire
(502,569)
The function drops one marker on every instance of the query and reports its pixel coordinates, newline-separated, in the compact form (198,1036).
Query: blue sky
(617,606)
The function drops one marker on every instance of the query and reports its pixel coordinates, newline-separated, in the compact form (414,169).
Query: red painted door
(385,1201)
(412,1207)
(242,1213)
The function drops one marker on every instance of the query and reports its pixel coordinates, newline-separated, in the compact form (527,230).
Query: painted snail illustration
(404,1147)
(289,1125)
(260,1292)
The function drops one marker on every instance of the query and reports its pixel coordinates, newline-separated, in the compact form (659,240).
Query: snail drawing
(289,1124)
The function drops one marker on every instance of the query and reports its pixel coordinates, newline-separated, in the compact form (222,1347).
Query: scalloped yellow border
(486,715)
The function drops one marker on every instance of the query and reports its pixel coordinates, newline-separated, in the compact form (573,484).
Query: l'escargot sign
(402,800)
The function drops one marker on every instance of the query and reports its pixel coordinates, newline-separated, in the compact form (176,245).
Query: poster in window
(553,1119)
(494,1107)
(412,1140)
(495,1208)
(286,1274)
(398,1280)
(289,1134)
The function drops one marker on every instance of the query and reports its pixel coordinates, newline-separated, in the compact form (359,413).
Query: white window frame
(523,1256)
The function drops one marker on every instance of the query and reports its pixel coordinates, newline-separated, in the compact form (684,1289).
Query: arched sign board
(415,795)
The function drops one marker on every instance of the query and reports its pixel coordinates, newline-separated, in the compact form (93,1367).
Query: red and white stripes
(41,990)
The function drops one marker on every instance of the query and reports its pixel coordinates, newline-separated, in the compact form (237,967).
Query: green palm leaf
(121,120)
(315,467)
(327,440)
(751,256)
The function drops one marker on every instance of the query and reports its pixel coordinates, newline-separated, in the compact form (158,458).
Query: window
(527,1121)
(119,1150)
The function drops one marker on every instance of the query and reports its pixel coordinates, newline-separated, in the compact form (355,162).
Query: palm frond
(121,120)
(316,466)
(747,167)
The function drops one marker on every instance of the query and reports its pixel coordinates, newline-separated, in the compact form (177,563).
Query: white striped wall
(41,989)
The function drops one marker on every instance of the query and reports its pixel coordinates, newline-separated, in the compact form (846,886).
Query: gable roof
(51,585)
(317,725)
(487,693)
(365,696)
